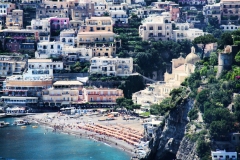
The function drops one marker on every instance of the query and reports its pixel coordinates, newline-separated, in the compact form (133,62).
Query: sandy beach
(88,126)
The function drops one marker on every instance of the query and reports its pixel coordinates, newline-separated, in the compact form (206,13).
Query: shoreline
(72,129)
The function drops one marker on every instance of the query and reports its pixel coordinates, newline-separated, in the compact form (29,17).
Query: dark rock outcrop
(169,136)
(187,150)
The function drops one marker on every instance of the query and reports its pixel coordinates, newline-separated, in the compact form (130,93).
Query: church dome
(192,58)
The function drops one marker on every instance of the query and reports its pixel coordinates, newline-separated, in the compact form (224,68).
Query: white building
(67,37)
(212,10)
(6,7)
(222,155)
(73,54)
(211,1)
(141,12)
(118,12)
(99,8)
(119,16)
(41,69)
(157,27)
(183,31)
(48,49)
(111,66)
(229,27)
(40,24)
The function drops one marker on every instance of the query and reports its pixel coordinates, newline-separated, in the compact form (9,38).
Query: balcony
(55,94)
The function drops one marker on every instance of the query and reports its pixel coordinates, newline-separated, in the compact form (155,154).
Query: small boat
(23,126)
(3,124)
(21,122)
(34,126)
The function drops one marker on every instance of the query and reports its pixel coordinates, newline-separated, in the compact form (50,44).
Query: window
(51,46)
(159,27)
(159,34)
(151,28)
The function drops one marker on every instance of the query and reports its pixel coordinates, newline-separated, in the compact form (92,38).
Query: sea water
(43,144)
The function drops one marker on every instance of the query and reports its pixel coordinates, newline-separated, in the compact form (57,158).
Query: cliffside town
(175,62)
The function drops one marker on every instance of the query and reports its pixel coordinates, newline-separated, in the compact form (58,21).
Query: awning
(65,103)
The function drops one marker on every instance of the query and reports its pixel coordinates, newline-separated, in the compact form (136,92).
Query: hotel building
(111,66)
(157,27)
(63,93)
(14,19)
(101,95)
(97,34)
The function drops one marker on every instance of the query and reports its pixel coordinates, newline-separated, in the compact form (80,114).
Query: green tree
(213,58)
(220,129)
(193,114)
(226,39)
(213,21)
(200,17)
(204,40)
(203,148)
(237,57)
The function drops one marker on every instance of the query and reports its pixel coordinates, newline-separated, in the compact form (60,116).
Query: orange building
(102,95)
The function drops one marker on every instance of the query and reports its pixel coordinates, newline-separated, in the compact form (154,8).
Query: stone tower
(225,60)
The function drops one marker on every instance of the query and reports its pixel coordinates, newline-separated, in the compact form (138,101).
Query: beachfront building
(14,19)
(111,66)
(151,126)
(49,49)
(97,34)
(184,31)
(68,37)
(18,90)
(156,27)
(11,65)
(222,154)
(63,93)
(101,95)
(72,54)
(155,93)
(40,69)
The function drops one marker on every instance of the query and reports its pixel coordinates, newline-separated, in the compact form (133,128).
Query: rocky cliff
(187,150)
(169,141)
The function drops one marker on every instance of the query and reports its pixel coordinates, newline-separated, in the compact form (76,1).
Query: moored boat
(20,122)
(3,124)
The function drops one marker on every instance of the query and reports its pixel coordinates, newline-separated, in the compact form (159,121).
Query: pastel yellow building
(97,34)
(14,19)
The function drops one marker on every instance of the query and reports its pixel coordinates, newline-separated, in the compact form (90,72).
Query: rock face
(170,135)
(187,150)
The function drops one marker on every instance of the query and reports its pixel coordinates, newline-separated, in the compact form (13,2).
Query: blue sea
(32,143)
